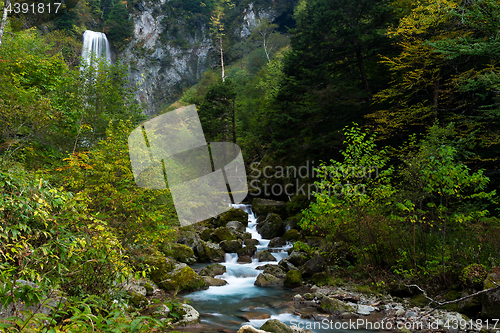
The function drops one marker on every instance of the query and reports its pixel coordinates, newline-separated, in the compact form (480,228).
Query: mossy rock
(149,288)
(209,252)
(491,300)
(322,279)
(205,234)
(271,227)
(213,282)
(265,255)
(183,253)
(275,270)
(267,280)
(262,207)
(137,300)
(276,326)
(234,214)
(419,301)
(247,251)
(231,246)
(334,306)
(293,279)
(183,278)
(221,234)
(213,270)
(162,264)
(291,235)
(473,276)
(251,241)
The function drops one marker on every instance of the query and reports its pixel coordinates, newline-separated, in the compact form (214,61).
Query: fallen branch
(440,304)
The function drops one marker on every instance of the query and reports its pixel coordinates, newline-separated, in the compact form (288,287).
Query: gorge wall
(167,54)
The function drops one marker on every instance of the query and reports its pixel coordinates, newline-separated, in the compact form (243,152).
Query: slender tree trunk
(222,60)
(4,19)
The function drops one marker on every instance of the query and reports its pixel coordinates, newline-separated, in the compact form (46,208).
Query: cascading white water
(95,43)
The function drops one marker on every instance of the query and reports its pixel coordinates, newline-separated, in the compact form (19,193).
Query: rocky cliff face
(161,68)
(158,68)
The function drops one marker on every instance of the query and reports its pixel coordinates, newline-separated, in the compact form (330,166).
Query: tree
(217,27)
(217,112)
(352,192)
(329,76)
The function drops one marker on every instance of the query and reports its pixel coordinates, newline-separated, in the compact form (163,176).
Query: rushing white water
(96,44)
(222,307)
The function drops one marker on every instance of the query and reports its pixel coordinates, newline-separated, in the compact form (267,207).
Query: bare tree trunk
(222,60)
(4,19)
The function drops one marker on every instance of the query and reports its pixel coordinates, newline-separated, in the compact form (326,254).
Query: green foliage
(118,27)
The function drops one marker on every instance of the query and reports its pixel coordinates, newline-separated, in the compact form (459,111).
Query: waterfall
(95,43)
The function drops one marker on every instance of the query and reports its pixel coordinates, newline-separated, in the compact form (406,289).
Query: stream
(222,308)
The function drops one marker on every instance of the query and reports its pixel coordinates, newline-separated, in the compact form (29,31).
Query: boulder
(334,306)
(247,251)
(182,278)
(267,280)
(213,270)
(255,315)
(297,258)
(163,266)
(271,227)
(293,222)
(191,239)
(314,265)
(473,276)
(249,329)
(293,279)
(137,300)
(491,300)
(222,234)
(205,234)
(183,253)
(190,317)
(236,225)
(244,259)
(234,214)
(276,326)
(213,282)
(275,270)
(209,252)
(262,207)
(231,246)
(277,242)
(265,255)
(286,265)
(253,242)
(291,235)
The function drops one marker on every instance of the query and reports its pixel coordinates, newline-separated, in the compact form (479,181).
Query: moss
(183,253)
(222,234)
(291,235)
(233,214)
(419,300)
(276,326)
(473,276)
(149,288)
(322,279)
(183,278)
(137,300)
(262,207)
(332,305)
(293,279)
(205,234)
